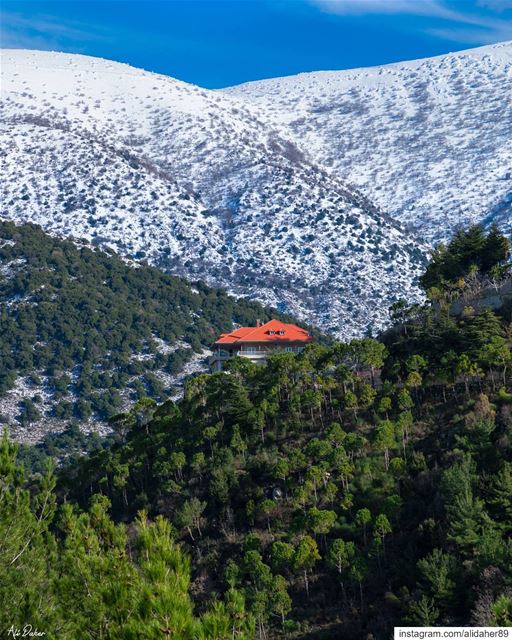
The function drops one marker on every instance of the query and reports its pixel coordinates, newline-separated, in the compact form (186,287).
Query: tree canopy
(469,252)
(338,492)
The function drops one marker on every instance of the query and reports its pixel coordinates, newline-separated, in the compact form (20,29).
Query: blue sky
(216,43)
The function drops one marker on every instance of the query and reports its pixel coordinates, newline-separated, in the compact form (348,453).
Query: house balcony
(254,355)
(217,360)
(257,354)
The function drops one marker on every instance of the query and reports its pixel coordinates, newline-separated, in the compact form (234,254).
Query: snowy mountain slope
(73,186)
(429,141)
(198,182)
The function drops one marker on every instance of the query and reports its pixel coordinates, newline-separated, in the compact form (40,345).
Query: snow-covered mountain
(429,141)
(197,182)
(252,187)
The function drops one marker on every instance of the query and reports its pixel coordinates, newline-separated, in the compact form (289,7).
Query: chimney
(258,322)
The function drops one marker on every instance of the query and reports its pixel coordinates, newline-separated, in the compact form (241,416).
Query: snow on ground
(429,141)
(319,193)
(289,190)
(38,391)
(201,183)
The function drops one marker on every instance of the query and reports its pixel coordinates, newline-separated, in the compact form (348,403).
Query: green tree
(281,555)
(381,528)
(28,563)
(502,611)
(363,518)
(340,554)
(189,516)
(500,495)
(305,557)
(267,508)
(405,402)
(321,521)
(280,601)
(496,250)
(423,612)
(384,439)
(437,571)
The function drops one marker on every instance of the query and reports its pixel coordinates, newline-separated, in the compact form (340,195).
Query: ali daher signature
(27,631)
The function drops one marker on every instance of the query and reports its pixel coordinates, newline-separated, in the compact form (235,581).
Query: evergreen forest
(334,493)
(89,333)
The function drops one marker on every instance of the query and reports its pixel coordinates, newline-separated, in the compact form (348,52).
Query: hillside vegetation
(203,184)
(85,334)
(390,130)
(330,494)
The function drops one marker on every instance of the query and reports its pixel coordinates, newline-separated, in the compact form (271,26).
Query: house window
(289,349)
(250,349)
(271,332)
(281,332)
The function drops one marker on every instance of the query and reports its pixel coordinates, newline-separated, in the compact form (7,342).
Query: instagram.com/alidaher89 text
(452,633)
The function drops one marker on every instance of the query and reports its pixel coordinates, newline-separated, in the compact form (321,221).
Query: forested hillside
(84,334)
(202,184)
(330,494)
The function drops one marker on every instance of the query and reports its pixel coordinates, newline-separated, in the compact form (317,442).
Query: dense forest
(89,333)
(334,493)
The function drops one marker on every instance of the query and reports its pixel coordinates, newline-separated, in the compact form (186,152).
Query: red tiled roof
(292,333)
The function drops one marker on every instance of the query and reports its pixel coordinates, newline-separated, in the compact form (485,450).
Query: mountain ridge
(395,131)
(473,51)
(240,206)
(318,202)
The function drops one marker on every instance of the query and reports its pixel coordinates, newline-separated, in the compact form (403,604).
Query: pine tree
(306,555)
(496,250)
(437,571)
(423,612)
(28,558)
(500,499)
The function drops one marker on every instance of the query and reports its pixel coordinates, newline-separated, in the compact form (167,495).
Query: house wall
(257,352)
